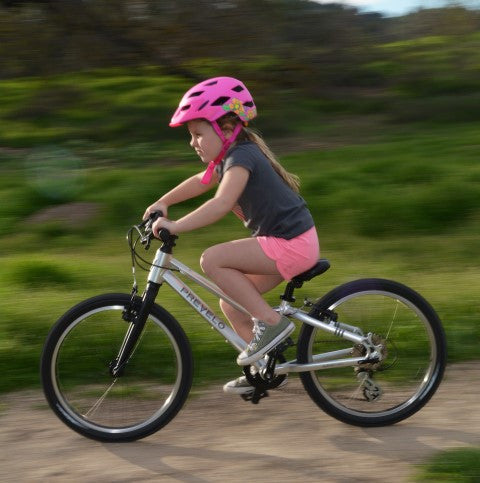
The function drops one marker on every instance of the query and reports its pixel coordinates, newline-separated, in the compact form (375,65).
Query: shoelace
(258,330)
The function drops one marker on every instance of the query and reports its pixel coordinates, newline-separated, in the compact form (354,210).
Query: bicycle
(119,367)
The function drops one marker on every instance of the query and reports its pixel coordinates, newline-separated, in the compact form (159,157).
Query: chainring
(256,380)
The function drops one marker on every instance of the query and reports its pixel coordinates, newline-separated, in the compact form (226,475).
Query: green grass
(460,465)
(99,105)
(68,267)
(390,200)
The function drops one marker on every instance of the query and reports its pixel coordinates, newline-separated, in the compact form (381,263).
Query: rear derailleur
(370,389)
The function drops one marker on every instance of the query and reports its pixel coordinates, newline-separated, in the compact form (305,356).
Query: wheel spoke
(393,320)
(97,404)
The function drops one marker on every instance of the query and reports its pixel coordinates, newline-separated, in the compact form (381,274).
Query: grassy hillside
(398,201)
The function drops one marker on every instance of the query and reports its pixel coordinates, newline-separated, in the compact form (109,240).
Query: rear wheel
(414,353)
(148,392)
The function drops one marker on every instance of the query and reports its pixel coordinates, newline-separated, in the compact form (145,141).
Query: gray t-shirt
(270,207)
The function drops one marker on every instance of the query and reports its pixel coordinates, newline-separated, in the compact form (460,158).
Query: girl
(253,185)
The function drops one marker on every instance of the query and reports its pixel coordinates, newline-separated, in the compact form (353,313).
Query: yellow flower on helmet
(236,106)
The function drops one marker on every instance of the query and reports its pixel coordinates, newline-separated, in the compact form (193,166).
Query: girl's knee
(225,306)
(207,260)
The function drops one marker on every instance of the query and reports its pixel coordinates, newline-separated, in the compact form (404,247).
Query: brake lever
(146,240)
(147,236)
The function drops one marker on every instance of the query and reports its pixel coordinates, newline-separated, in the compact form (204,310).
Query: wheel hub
(376,350)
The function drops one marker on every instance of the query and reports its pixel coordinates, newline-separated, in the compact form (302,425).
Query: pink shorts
(292,256)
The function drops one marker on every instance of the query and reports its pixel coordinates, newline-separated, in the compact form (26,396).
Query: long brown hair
(248,134)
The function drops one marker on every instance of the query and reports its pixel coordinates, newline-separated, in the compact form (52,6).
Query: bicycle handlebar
(164,235)
(151,218)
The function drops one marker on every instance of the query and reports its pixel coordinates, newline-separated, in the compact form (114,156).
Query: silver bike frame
(163,269)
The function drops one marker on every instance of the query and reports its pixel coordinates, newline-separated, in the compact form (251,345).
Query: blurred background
(374,104)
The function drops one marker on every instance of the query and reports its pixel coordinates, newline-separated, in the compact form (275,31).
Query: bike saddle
(320,267)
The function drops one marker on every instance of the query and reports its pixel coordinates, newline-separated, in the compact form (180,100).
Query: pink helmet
(213,98)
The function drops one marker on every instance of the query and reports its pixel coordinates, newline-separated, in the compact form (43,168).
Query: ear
(227,131)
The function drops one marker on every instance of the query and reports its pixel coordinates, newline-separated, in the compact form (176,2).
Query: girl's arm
(190,188)
(226,197)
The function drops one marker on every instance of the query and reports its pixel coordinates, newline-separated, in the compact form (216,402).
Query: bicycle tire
(76,373)
(415,353)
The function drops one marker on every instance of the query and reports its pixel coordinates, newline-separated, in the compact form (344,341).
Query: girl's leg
(242,323)
(230,265)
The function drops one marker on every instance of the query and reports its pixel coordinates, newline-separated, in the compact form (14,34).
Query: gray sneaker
(265,338)
(242,386)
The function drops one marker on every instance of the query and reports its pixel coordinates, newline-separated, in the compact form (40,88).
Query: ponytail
(292,180)
(248,134)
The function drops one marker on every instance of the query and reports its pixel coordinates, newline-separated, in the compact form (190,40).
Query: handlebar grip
(156,214)
(163,233)
(152,217)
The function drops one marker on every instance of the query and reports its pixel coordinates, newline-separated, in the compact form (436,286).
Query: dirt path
(222,438)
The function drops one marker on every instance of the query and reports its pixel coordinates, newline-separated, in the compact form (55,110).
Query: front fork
(137,318)
(137,315)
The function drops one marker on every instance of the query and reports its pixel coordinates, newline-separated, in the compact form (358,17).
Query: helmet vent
(248,104)
(185,108)
(202,106)
(211,83)
(239,88)
(220,101)
(195,94)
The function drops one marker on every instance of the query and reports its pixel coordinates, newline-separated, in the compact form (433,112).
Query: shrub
(38,273)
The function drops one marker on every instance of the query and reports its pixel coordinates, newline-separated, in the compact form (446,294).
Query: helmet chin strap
(207,177)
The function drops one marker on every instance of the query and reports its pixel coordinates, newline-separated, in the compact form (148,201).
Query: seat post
(320,267)
(288,293)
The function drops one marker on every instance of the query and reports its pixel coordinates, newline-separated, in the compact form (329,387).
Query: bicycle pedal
(255,396)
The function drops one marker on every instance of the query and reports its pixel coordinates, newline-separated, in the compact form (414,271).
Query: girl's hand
(164,223)
(157,206)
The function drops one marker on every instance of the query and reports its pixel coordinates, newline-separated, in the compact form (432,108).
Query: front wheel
(414,353)
(78,380)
